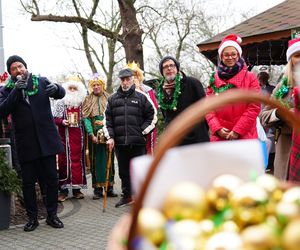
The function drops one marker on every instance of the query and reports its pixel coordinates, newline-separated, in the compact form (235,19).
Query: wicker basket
(126,227)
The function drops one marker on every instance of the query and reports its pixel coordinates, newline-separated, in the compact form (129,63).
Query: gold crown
(97,79)
(138,73)
(73,78)
(133,65)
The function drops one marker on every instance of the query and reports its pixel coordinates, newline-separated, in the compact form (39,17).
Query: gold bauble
(224,241)
(184,234)
(183,229)
(248,204)
(259,237)
(151,223)
(185,200)
(287,211)
(272,185)
(268,182)
(207,227)
(230,226)
(292,195)
(221,189)
(291,236)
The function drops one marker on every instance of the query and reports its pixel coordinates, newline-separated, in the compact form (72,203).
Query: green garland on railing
(35,87)
(176,94)
(220,89)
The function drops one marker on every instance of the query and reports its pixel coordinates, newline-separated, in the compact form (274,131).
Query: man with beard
(68,118)
(129,116)
(26,98)
(176,92)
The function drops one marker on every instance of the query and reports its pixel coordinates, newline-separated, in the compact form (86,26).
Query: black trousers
(44,171)
(124,155)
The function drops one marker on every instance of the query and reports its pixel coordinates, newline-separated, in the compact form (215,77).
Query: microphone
(19,77)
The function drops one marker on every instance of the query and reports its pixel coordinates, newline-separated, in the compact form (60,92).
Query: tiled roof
(283,16)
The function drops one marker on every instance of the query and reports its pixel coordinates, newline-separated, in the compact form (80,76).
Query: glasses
(171,66)
(233,55)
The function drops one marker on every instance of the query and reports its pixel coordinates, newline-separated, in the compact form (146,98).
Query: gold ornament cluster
(230,215)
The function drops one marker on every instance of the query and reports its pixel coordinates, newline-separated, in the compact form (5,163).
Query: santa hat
(294,46)
(230,40)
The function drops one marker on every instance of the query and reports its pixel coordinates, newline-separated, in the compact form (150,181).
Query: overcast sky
(44,52)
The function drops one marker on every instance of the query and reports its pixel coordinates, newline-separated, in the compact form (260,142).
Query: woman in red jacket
(236,121)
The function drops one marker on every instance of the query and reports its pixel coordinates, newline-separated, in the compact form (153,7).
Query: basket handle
(182,124)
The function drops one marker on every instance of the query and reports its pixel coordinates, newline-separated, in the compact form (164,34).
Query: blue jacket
(35,131)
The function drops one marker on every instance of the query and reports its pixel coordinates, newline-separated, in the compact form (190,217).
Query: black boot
(98,193)
(110,192)
(31,225)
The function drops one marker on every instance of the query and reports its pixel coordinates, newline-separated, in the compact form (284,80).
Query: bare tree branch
(90,24)
(86,48)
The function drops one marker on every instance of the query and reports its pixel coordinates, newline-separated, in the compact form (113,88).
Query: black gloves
(51,89)
(21,84)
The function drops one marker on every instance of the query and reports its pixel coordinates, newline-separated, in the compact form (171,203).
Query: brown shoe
(62,197)
(78,195)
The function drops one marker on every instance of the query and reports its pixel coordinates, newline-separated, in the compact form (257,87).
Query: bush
(9,181)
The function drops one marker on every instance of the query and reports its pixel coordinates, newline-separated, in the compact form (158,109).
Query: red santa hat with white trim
(232,40)
(294,46)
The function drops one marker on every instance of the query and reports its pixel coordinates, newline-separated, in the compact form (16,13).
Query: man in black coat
(176,92)
(129,116)
(26,98)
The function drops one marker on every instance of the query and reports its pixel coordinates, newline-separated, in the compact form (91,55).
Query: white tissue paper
(200,163)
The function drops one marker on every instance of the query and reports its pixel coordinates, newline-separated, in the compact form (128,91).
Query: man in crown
(93,112)
(67,114)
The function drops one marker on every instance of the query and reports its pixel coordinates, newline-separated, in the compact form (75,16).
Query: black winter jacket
(129,116)
(191,92)
(35,132)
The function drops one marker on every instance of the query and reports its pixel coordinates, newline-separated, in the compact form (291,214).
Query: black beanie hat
(13,59)
(168,58)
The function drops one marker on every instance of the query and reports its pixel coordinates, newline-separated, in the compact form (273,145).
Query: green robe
(98,154)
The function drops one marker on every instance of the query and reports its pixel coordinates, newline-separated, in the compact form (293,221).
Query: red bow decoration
(3,77)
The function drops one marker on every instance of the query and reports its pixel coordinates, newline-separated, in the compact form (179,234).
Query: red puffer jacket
(240,118)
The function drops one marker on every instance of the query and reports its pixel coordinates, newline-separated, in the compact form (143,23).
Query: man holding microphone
(26,98)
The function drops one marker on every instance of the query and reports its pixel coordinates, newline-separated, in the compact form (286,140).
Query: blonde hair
(96,79)
(138,73)
(289,73)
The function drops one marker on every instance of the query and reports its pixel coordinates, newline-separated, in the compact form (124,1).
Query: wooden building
(265,36)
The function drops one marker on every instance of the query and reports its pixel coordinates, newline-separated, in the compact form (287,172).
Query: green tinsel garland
(282,92)
(160,95)
(35,87)
(221,89)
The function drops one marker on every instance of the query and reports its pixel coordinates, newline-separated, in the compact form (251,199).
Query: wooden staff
(108,166)
(87,153)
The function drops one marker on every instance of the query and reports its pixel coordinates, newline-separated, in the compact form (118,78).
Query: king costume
(93,109)
(68,118)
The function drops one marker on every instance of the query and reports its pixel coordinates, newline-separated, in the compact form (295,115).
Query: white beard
(74,99)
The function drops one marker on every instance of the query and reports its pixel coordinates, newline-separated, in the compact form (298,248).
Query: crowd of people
(88,127)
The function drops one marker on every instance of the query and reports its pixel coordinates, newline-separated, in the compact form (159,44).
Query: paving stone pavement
(86,226)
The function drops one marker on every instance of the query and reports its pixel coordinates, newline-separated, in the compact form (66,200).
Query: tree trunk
(111,64)
(132,34)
